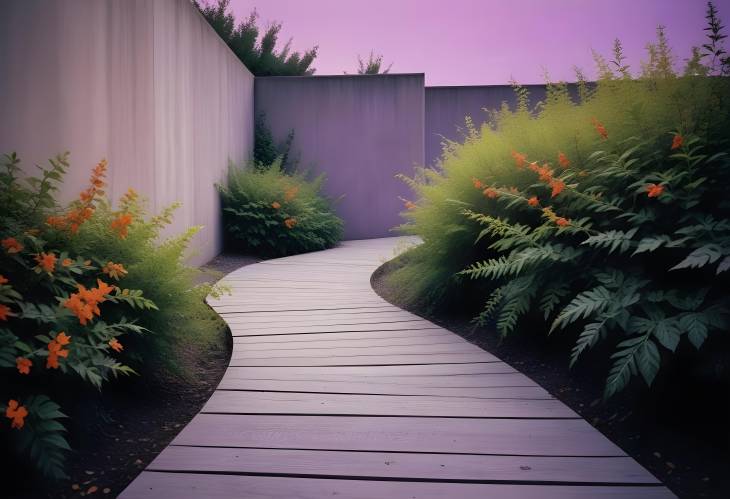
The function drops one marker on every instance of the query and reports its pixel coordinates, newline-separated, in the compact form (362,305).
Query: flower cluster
(84,304)
(83,209)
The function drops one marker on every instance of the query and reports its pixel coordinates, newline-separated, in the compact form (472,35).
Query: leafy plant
(80,289)
(260,57)
(270,213)
(266,151)
(607,215)
(373,66)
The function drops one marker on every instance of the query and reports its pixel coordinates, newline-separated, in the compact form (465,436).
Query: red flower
(23,365)
(5,312)
(563,160)
(654,190)
(557,186)
(490,193)
(17,413)
(477,183)
(519,159)
(11,245)
(533,201)
(562,222)
(115,345)
(600,128)
(677,142)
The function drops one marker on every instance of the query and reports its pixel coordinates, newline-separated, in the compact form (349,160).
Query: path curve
(332,391)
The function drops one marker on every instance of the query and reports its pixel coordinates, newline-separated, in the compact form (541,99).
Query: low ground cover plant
(608,215)
(87,292)
(268,212)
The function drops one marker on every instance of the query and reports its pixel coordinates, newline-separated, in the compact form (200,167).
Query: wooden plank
(529,437)
(403,465)
(329,320)
(338,341)
(294,314)
(457,371)
(367,360)
(529,391)
(239,402)
(276,308)
(155,485)
(241,352)
(249,330)
(378,335)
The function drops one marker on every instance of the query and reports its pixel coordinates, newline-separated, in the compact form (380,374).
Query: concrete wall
(360,130)
(147,84)
(447,107)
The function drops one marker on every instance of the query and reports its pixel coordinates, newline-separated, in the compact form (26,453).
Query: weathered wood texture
(331,391)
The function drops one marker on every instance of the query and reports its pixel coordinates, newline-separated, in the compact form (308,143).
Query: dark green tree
(260,57)
(373,65)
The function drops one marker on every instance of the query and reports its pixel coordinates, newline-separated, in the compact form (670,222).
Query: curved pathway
(333,392)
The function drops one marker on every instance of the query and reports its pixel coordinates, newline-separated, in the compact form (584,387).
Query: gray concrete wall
(359,130)
(147,84)
(447,107)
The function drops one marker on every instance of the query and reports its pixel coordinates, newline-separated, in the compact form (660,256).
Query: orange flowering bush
(272,213)
(608,215)
(59,314)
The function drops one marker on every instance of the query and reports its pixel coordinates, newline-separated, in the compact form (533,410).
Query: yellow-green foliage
(609,213)
(156,265)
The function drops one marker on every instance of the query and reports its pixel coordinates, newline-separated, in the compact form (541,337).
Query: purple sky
(471,42)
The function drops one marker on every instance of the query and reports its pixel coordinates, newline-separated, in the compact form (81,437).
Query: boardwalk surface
(333,392)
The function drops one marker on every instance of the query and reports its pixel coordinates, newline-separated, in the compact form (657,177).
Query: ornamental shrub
(270,213)
(609,214)
(79,288)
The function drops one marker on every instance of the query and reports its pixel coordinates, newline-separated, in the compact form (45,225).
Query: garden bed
(677,430)
(116,433)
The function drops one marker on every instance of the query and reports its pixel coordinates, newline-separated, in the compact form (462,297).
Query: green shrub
(74,283)
(270,213)
(609,216)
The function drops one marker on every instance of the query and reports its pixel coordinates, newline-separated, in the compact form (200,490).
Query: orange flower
(66,262)
(519,159)
(87,262)
(477,183)
(276,205)
(17,413)
(513,190)
(562,222)
(3,279)
(114,270)
(11,245)
(5,312)
(98,174)
(490,193)
(563,160)
(55,350)
(129,198)
(599,128)
(677,141)
(62,339)
(533,201)
(654,190)
(290,223)
(557,186)
(410,205)
(57,222)
(120,224)
(85,303)
(291,193)
(23,365)
(544,171)
(115,345)
(46,261)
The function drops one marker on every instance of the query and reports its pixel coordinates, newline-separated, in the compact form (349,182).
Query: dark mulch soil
(116,433)
(678,430)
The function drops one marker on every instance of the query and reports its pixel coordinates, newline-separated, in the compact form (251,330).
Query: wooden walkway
(333,392)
